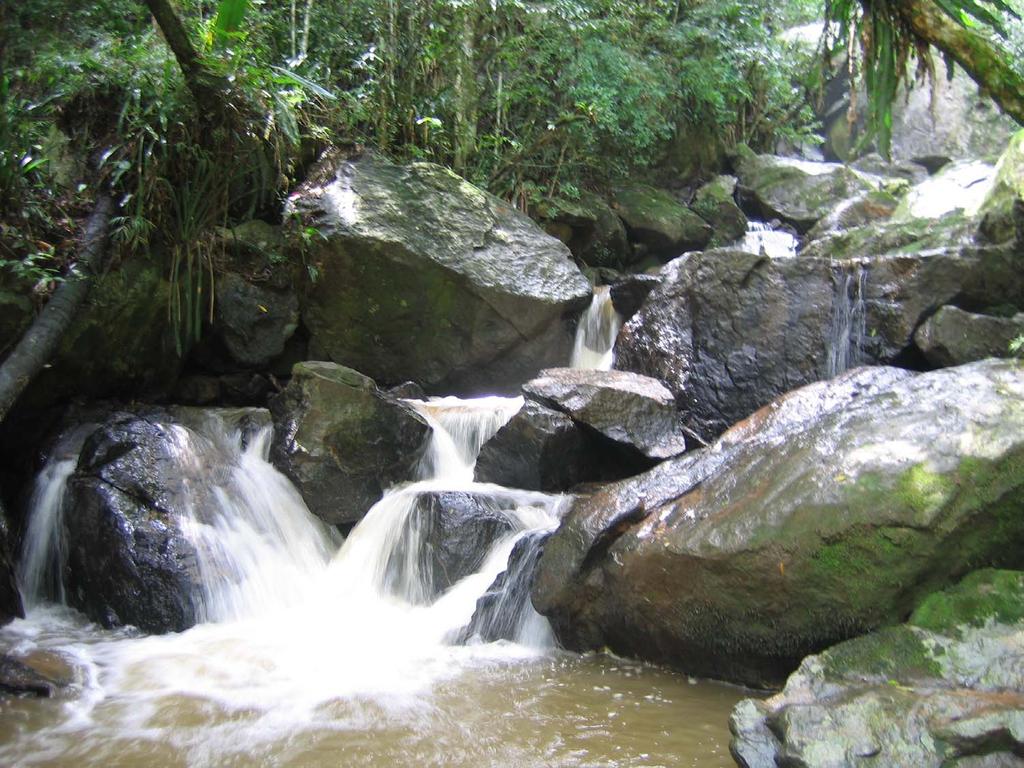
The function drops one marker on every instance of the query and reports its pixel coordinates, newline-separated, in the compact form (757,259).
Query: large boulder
(121,343)
(728,331)
(952,336)
(933,123)
(798,192)
(660,223)
(827,514)
(256,310)
(128,560)
(1000,209)
(342,441)
(420,275)
(633,410)
(943,689)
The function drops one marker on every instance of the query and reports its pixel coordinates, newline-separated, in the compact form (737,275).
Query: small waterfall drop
(774,243)
(595,335)
(848,328)
(43,550)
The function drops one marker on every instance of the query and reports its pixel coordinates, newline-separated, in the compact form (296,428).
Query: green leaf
(230,14)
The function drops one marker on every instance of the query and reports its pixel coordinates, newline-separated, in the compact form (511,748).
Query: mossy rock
(997,211)
(121,344)
(831,512)
(797,192)
(418,275)
(659,222)
(983,596)
(941,689)
(715,203)
(594,234)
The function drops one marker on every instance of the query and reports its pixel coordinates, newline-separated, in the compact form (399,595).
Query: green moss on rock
(893,653)
(982,596)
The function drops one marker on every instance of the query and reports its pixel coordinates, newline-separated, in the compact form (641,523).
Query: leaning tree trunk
(985,63)
(40,341)
(209,91)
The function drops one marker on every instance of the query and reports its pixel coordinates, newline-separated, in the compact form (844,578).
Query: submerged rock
(422,276)
(798,192)
(953,337)
(505,609)
(21,679)
(633,410)
(446,538)
(654,219)
(827,514)
(342,441)
(944,688)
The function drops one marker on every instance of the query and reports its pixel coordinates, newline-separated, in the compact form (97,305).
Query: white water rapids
(293,628)
(315,654)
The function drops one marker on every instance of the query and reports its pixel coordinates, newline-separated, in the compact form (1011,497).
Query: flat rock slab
(628,408)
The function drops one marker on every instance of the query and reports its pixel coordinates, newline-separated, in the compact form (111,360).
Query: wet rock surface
(422,276)
(664,226)
(633,410)
(342,441)
(797,192)
(459,529)
(128,562)
(827,514)
(943,689)
(501,610)
(953,337)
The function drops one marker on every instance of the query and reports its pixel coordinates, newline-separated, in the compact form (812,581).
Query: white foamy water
(959,186)
(298,638)
(596,333)
(761,238)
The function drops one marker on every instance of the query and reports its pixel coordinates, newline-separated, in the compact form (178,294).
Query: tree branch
(986,64)
(41,340)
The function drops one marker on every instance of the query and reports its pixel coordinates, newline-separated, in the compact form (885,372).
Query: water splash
(848,329)
(596,333)
(762,239)
(44,549)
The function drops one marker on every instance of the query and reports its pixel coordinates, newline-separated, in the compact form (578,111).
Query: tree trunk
(40,341)
(209,91)
(985,63)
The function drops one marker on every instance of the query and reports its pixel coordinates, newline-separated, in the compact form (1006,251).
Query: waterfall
(761,238)
(847,330)
(595,335)
(386,560)
(43,550)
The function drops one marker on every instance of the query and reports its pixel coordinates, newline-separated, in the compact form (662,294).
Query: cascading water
(369,655)
(595,335)
(761,238)
(848,328)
